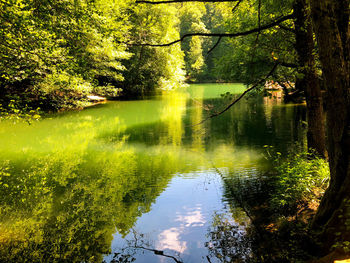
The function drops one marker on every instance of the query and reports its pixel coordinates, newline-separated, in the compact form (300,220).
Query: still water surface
(141,180)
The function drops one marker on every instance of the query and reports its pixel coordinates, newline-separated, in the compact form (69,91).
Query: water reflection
(198,128)
(139,180)
(228,241)
(172,114)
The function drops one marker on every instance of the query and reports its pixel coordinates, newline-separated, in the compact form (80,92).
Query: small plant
(300,178)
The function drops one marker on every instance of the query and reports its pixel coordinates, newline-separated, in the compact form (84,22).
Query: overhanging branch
(242,95)
(220,35)
(216,44)
(236,6)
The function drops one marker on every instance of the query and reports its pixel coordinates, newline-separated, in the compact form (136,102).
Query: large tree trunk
(309,82)
(331,25)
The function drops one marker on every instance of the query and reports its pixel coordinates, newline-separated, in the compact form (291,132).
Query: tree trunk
(331,24)
(316,136)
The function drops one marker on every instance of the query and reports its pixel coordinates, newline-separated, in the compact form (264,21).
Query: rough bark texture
(331,25)
(316,136)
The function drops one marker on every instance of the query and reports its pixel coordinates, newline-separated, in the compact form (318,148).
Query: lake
(143,180)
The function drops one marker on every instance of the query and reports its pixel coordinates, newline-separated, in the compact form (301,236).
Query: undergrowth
(299,180)
(300,177)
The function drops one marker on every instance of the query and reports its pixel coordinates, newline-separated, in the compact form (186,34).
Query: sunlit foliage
(55,53)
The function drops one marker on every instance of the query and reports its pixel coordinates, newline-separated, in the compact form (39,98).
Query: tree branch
(155,251)
(159,253)
(241,96)
(230,35)
(216,44)
(236,6)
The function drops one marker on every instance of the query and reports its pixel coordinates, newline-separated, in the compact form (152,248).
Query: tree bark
(309,81)
(331,24)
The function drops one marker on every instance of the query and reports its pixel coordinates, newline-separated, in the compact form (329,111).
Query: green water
(137,180)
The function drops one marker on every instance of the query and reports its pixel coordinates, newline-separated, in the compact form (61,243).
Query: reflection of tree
(65,207)
(228,242)
(233,241)
(169,130)
(253,232)
(246,124)
(198,130)
(134,245)
(173,112)
(65,204)
(250,123)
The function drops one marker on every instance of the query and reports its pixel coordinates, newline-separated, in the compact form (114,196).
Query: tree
(53,53)
(309,81)
(149,68)
(191,16)
(332,29)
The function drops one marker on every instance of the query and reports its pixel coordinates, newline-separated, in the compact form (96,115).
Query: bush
(62,90)
(300,178)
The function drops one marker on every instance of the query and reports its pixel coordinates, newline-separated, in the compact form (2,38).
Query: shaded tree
(332,28)
(309,81)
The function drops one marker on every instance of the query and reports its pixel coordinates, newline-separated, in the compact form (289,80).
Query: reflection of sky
(194,217)
(171,238)
(179,219)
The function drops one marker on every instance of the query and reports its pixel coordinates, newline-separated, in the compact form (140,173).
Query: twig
(216,44)
(240,97)
(159,253)
(236,6)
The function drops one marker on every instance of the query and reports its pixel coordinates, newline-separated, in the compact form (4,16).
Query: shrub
(62,90)
(301,177)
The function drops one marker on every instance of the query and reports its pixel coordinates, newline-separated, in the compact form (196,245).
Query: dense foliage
(300,178)
(56,53)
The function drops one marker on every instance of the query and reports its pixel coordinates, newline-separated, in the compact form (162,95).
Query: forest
(54,54)
(113,112)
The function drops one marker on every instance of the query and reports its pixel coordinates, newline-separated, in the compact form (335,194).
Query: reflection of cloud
(170,239)
(192,218)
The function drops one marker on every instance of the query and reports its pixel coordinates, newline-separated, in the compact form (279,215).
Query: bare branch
(236,6)
(216,44)
(159,253)
(242,95)
(230,35)
(136,245)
